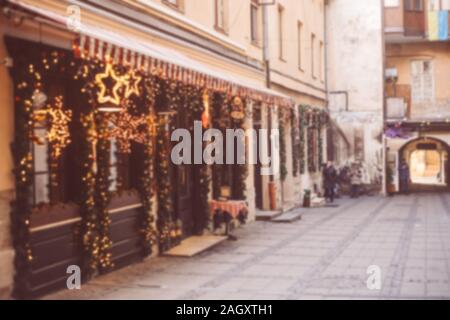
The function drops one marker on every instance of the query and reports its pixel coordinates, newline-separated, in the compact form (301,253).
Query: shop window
(51,183)
(124,168)
(41,192)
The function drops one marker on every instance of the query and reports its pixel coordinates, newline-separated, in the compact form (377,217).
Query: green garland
(320,142)
(295,144)
(89,233)
(313,120)
(283,157)
(166,225)
(303,126)
(102,194)
(311,143)
(148,231)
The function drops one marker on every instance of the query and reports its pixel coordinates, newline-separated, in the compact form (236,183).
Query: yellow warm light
(102,98)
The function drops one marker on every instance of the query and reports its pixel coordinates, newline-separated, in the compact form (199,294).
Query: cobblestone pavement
(323,256)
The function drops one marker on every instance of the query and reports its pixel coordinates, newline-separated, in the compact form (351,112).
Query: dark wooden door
(184,198)
(257,172)
(183,178)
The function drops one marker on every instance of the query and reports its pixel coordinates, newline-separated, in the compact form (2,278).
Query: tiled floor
(326,255)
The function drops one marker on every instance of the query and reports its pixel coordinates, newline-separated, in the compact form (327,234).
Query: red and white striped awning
(93,48)
(88,47)
(97,42)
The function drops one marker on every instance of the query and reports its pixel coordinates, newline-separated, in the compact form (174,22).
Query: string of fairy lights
(119,104)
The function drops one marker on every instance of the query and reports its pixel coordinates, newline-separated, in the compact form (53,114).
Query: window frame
(281,33)
(321,61)
(223,27)
(313,52)
(300,45)
(254,30)
(178,5)
(410,6)
(432,96)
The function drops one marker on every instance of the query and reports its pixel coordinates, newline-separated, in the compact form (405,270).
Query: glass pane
(113,152)
(113,177)
(40,153)
(41,182)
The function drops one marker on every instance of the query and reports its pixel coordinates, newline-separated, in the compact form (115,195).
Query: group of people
(332,180)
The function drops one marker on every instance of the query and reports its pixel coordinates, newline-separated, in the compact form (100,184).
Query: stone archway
(427,159)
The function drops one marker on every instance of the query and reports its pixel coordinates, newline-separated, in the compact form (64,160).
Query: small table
(232,207)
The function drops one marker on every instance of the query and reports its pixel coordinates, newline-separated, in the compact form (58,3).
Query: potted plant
(307,199)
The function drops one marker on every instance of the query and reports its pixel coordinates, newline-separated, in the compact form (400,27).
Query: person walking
(329,181)
(355,180)
(404,177)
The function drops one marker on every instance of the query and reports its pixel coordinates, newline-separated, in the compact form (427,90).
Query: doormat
(194,245)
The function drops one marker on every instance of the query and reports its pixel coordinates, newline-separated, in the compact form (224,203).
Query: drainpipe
(266,58)
(325,40)
(345,93)
(385,147)
(266,50)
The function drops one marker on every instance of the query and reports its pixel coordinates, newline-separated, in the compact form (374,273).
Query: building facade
(93,91)
(355,85)
(417,91)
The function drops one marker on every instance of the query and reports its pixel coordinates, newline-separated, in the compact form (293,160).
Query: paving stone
(323,256)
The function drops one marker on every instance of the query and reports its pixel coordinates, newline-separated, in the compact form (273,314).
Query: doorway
(427,159)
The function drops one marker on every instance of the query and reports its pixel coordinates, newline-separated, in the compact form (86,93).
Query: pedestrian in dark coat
(404,177)
(355,180)
(329,181)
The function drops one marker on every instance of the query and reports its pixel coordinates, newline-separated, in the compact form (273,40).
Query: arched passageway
(427,159)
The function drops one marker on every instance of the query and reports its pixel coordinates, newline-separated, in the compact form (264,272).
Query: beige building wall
(401,56)
(297,62)
(6,176)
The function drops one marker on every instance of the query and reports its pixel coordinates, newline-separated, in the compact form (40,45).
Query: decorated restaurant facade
(91,114)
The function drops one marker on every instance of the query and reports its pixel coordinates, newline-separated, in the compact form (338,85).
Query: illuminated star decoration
(132,81)
(126,128)
(109,83)
(58,134)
